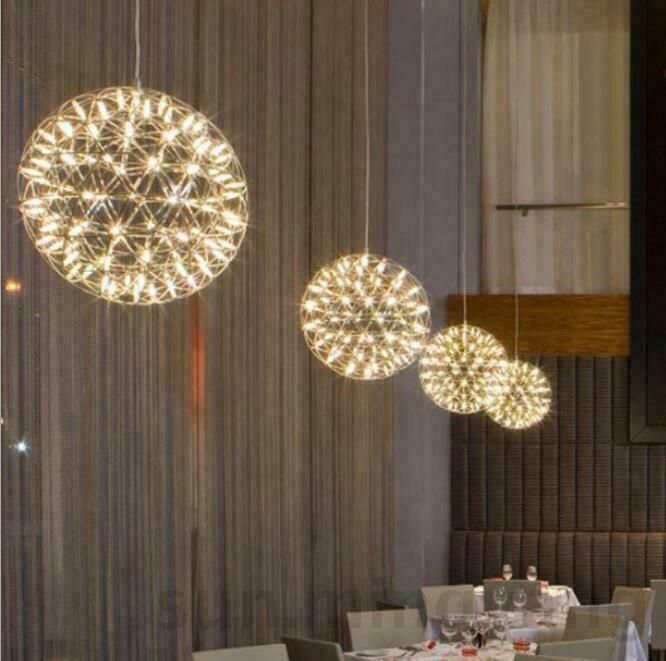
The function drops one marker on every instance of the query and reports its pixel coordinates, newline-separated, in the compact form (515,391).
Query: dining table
(440,652)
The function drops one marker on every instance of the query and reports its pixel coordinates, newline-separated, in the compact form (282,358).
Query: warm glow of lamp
(519,395)
(12,286)
(133,196)
(365,316)
(457,365)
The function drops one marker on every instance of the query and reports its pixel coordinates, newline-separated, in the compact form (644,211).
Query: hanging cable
(422,149)
(137,43)
(367,129)
(463,160)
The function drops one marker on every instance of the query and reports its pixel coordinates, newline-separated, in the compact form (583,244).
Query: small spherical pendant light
(457,365)
(365,316)
(519,395)
(133,196)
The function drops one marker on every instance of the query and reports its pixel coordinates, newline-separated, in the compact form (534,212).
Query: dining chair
(642,600)
(594,649)
(584,625)
(371,630)
(307,649)
(625,610)
(383,605)
(442,600)
(658,636)
(530,587)
(276,652)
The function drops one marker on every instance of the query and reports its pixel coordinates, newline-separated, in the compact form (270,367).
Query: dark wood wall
(571,496)
(195,478)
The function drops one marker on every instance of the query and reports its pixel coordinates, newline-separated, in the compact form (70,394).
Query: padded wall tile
(529,552)
(475,552)
(459,485)
(565,558)
(618,558)
(657,488)
(620,401)
(547,565)
(532,484)
(494,559)
(603,392)
(601,568)
(639,488)
(496,487)
(457,555)
(603,478)
(567,479)
(511,550)
(585,487)
(476,453)
(636,559)
(566,394)
(655,556)
(549,487)
(514,481)
(583,566)
(621,487)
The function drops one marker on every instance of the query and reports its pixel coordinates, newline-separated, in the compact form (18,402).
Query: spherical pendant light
(365,316)
(456,366)
(519,395)
(133,196)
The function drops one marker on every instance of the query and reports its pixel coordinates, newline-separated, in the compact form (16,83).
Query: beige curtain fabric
(556,129)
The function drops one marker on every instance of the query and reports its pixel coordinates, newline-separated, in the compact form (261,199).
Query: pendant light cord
(463,159)
(515,125)
(422,148)
(367,128)
(137,43)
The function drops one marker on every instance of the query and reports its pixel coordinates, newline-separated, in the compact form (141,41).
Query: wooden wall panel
(552,325)
(571,493)
(197,479)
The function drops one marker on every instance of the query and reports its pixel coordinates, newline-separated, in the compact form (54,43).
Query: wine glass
(450,625)
(542,592)
(470,630)
(507,572)
(500,628)
(532,573)
(483,626)
(520,599)
(500,596)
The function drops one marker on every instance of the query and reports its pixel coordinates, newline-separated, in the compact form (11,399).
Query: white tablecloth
(442,651)
(558,597)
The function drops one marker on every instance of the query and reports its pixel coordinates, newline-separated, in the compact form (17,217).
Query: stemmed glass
(500,628)
(542,592)
(532,573)
(470,630)
(450,624)
(520,600)
(507,572)
(500,596)
(483,626)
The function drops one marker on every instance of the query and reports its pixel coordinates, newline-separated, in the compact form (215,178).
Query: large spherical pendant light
(519,395)
(457,365)
(365,316)
(133,196)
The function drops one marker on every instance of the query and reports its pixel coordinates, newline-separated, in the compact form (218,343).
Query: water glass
(450,624)
(500,596)
(531,573)
(507,572)
(470,630)
(520,599)
(500,628)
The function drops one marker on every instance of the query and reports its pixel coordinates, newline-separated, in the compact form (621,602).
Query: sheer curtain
(556,129)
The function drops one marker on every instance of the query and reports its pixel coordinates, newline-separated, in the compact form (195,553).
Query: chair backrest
(595,649)
(383,605)
(490,585)
(642,600)
(658,636)
(377,629)
(625,610)
(305,649)
(448,599)
(582,625)
(257,653)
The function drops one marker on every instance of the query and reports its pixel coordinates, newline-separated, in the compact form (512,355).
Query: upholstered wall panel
(571,496)
(196,478)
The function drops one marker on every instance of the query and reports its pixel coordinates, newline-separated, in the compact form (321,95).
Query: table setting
(435,651)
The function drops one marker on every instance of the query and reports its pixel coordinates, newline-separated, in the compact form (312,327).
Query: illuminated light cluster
(519,395)
(457,365)
(365,316)
(133,196)
(12,286)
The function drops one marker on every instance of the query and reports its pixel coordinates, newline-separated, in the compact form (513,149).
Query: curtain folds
(556,129)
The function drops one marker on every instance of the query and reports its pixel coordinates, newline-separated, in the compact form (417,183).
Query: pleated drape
(195,478)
